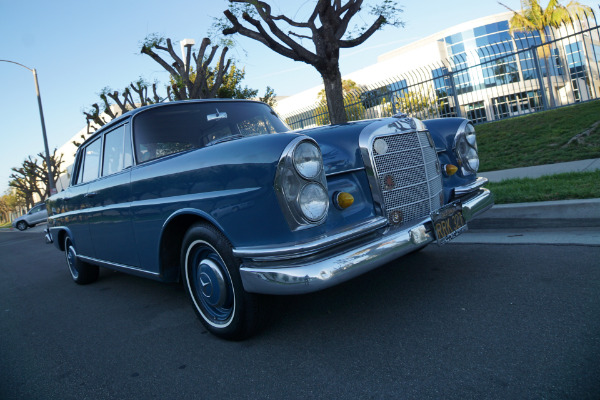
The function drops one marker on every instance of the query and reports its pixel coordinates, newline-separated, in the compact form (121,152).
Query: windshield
(180,127)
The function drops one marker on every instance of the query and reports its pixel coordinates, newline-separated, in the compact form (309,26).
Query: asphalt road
(463,321)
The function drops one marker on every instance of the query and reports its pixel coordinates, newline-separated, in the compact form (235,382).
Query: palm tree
(534,18)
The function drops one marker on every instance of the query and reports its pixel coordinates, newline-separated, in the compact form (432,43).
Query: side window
(114,151)
(91,162)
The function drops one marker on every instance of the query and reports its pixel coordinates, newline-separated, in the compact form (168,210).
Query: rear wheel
(21,225)
(81,272)
(212,280)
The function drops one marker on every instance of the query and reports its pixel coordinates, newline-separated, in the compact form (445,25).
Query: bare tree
(23,179)
(114,103)
(197,81)
(327,28)
(32,178)
(200,81)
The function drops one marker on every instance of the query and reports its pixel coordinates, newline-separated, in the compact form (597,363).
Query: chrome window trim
(297,250)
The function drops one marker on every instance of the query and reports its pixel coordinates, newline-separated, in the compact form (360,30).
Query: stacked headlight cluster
(301,185)
(465,148)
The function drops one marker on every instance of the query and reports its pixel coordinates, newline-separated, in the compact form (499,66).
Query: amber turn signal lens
(450,169)
(344,200)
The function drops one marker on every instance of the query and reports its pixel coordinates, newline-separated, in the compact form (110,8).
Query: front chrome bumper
(48,236)
(344,262)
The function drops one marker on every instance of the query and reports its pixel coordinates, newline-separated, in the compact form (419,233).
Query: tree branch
(262,36)
(367,34)
(349,10)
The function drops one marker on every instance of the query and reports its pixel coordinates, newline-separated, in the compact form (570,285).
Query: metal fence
(499,80)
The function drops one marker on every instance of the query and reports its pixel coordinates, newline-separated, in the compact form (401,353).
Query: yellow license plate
(448,222)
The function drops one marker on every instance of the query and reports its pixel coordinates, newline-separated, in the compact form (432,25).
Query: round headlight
(313,201)
(466,147)
(307,160)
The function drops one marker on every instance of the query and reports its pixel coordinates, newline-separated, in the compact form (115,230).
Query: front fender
(443,131)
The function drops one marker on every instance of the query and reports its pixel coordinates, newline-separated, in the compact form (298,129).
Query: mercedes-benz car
(37,215)
(223,196)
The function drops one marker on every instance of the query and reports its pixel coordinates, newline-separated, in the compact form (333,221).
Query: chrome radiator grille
(409,176)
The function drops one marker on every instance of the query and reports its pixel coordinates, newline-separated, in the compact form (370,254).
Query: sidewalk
(546,214)
(541,170)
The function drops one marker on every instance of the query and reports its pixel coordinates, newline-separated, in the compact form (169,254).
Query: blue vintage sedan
(221,195)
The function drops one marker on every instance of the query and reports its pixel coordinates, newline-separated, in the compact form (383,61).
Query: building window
(476,112)
(533,41)
(477,57)
(577,68)
(517,104)
(442,82)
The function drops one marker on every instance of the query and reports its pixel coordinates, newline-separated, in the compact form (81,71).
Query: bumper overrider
(310,267)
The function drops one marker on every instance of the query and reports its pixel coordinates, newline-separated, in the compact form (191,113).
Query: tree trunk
(549,82)
(335,97)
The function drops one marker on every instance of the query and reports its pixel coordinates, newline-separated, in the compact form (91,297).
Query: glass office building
(477,70)
(493,74)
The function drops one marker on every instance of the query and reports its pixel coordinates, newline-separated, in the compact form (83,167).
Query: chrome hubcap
(211,283)
(71,258)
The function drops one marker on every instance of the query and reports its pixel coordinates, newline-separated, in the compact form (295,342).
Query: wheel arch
(59,237)
(171,240)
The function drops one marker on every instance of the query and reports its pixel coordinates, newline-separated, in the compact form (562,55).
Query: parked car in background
(221,195)
(36,215)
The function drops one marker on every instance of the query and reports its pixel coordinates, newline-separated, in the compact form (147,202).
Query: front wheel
(21,225)
(212,281)
(81,272)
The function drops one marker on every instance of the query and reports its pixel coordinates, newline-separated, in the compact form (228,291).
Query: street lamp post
(39,99)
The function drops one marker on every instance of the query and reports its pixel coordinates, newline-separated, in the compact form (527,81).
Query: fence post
(454,94)
(538,73)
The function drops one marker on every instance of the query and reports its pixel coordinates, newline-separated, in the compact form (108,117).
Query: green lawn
(574,185)
(540,138)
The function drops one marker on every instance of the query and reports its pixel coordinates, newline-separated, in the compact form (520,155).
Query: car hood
(339,145)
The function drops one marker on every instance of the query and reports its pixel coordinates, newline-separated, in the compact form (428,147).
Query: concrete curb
(544,214)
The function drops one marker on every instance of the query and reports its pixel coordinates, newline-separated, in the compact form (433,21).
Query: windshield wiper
(225,139)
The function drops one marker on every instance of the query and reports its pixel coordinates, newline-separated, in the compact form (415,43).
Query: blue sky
(79,47)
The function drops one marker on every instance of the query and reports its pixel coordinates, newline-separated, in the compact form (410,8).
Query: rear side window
(91,162)
(117,151)
(170,129)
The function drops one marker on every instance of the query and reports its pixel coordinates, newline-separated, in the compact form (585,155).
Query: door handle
(91,194)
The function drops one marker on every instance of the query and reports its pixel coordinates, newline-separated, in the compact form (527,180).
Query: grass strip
(541,138)
(567,186)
